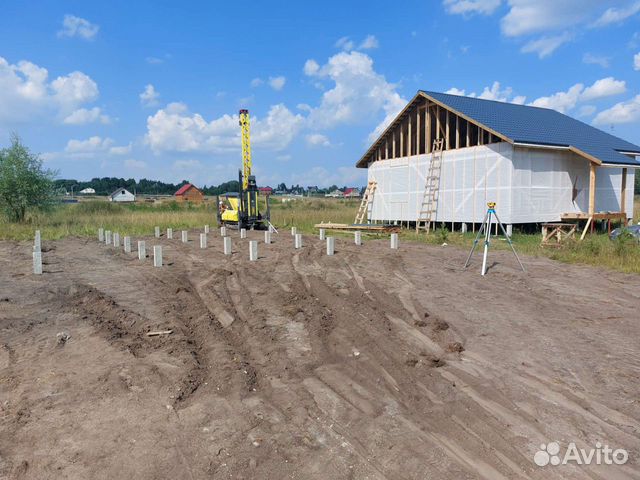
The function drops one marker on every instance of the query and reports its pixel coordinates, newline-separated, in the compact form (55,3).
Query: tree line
(144,186)
(107,185)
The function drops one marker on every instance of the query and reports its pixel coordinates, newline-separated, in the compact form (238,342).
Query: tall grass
(83,219)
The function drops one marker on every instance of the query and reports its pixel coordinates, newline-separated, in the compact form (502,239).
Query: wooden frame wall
(422,122)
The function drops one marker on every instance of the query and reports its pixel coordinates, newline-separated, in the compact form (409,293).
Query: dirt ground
(371,364)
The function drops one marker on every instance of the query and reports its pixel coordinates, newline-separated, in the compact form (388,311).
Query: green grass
(83,219)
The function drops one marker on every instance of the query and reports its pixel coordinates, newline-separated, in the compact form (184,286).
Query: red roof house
(189,193)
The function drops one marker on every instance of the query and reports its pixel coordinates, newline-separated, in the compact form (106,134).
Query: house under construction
(445,156)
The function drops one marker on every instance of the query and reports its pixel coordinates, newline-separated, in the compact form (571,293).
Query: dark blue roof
(526,124)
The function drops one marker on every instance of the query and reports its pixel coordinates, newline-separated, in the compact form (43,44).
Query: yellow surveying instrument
(486,230)
(241,209)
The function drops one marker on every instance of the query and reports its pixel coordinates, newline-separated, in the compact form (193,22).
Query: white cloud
(84,116)
(345,43)
(25,92)
(561,101)
(605,87)
(121,150)
(186,164)
(552,22)
(154,60)
(456,91)
(586,111)
(277,83)
(149,97)
(135,164)
(74,89)
(617,15)
(369,42)
(636,61)
(73,26)
(93,146)
(174,128)
(311,67)
(318,140)
(256,82)
(527,17)
(591,59)
(545,46)
(495,92)
(90,145)
(565,101)
(359,92)
(623,112)
(283,158)
(466,7)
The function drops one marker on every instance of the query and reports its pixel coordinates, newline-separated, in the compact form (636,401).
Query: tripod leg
(487,239)
(510,244)
(475,242)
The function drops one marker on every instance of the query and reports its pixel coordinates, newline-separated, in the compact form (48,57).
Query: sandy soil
(372,364)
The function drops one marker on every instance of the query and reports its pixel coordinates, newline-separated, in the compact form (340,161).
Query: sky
(152,89)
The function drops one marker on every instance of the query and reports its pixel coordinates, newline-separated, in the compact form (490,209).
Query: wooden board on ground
(366,227)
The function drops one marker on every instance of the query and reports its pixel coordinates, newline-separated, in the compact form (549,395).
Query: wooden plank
(386,148)
(468,144)
(393,141)
(418,132)
(438,126)
(623,191)
(409,145)
(401,140)
(428,128)
(586,228)
(592,189)
(457,131)
(159,332)
(595,216)
(446,129)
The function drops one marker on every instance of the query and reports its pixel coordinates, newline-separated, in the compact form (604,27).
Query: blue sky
(152,89)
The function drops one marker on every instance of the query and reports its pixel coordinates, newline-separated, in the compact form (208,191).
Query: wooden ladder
(427,212)
(367,200)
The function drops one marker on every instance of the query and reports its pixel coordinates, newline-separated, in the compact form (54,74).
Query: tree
(24,184)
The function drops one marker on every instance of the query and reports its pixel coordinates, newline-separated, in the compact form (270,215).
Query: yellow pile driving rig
(242,209)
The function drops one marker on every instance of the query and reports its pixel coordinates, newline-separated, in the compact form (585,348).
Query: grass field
(84,218)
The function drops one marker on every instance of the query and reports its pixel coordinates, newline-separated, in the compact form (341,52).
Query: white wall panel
(528,184)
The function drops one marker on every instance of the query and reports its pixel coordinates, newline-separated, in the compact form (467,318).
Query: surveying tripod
(486,229)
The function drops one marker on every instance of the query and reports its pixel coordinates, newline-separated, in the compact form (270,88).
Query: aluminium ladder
(365,204)
(427,212)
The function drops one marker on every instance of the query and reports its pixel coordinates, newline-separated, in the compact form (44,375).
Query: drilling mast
(245,128)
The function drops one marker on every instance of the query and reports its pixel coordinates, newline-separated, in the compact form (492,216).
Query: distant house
(351,193)
(335,194)
(88,191)
(122,195)
(189,193)
(265,190)
(312,190)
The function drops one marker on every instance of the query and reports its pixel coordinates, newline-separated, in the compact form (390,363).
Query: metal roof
(541,126)
(537,126)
